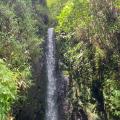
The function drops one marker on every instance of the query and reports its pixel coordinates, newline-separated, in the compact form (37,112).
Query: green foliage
(117,3)
(88,42)
(55,6)
(20,44)
(112,97)
(74,14)
(8,89)
(64,16)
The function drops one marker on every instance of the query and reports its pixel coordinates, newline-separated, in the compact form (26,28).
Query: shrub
(8,89)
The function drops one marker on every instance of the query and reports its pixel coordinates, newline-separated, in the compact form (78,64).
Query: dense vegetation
(87,34)
(22,25)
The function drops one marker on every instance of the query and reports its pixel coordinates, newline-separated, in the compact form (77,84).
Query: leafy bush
(8,89)
(112,97)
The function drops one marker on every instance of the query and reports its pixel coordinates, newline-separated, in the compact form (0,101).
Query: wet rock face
(65,111)
(62,89)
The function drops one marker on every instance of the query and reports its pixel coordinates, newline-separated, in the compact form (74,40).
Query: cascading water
(51,108)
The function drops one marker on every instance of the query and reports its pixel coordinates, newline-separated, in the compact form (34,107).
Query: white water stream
(51,109)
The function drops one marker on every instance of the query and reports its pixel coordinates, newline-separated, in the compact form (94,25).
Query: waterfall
(51,108)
